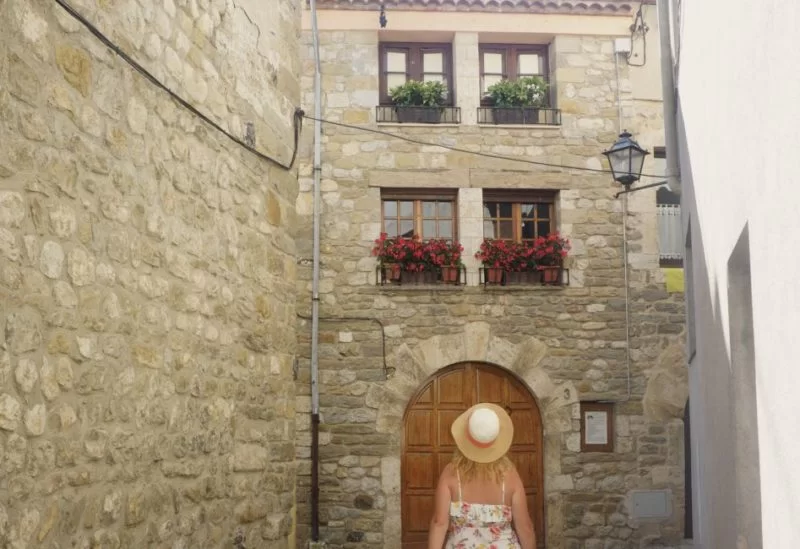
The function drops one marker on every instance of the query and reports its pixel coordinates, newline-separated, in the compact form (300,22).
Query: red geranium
(412,254)
(551,250)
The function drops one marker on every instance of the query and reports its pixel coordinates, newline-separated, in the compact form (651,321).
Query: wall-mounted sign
(597,427)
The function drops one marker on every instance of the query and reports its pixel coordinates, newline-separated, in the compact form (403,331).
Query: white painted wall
(739,94)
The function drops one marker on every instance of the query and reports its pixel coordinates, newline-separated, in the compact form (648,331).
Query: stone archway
(414,363)
(428,446)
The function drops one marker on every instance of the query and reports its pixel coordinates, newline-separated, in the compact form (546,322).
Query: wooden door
(428,446)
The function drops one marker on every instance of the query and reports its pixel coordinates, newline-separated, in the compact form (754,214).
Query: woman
(480,499)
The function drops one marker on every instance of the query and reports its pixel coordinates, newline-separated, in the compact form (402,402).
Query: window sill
(523,287)
(416,125)
(523,126)
(391,288)
(423,287)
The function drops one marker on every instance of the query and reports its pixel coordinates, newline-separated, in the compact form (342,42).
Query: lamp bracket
(648,186)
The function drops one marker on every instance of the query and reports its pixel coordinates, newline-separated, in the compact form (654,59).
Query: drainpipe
(622,47)
(315,282)
(673,174)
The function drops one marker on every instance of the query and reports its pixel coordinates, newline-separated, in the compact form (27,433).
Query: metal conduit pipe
(315,280)
(626,280)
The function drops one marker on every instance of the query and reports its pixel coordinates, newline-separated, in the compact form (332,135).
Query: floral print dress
(480,525)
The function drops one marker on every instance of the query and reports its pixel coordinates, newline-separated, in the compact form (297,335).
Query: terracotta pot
(450,275)
(550,275)
(391,271)
(494,275)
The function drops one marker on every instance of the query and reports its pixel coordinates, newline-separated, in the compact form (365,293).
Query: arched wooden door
(428,446)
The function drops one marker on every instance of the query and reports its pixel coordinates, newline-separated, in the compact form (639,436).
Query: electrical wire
(466,151)
(297,119)
(638,24)
(298,116)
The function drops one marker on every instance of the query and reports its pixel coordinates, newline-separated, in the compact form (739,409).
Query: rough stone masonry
(567,344)
(147,276)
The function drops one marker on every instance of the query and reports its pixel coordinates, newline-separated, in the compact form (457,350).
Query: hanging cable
(298,115)
(638,26)
(297,118)
(465,151)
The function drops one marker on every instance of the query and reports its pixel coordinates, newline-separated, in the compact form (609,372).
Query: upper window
(509,62)
(400,62)
(416,212)
(518,216)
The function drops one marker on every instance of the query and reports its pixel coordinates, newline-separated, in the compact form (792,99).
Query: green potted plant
(518,101)
(419,102)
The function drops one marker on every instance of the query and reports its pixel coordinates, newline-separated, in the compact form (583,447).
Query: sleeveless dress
(480,525)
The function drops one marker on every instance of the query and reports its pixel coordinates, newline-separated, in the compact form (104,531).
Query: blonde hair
(472,470)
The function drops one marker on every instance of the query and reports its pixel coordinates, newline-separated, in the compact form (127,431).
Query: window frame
(414,67)
(418,196)
(510,54)
(517,198)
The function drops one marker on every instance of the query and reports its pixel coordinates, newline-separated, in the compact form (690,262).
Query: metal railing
(670,234)
(418,115)
(387,276)
(456,276)
(556,276)
(519,115)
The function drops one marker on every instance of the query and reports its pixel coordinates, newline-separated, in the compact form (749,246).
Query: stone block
(76,67)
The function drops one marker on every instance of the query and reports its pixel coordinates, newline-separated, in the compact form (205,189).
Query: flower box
(416,278)
(412,261)
(523,263)
(522,277)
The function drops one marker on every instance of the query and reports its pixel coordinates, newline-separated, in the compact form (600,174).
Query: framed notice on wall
(597,427)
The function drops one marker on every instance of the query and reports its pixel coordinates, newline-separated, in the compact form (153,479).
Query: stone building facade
(147,275)
(381,344)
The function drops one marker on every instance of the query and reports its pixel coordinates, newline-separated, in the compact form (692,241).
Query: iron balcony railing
(456,276)
(670,234)
(547,276)
(519,115)
(418,115)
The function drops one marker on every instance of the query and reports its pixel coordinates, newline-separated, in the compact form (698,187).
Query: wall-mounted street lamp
(382,17)
(626,159)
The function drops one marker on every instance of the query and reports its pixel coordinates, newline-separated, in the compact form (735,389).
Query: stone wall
(147,277)
(568,344)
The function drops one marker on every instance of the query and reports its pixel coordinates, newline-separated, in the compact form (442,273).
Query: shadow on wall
(723,395)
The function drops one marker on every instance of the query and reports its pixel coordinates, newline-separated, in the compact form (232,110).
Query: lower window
(429,215)
(518,216)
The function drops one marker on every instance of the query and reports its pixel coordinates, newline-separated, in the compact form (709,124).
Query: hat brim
(480,454)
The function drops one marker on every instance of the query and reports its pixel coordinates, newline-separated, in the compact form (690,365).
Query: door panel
(428,446)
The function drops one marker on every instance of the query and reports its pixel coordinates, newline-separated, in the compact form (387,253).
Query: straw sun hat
(483,433)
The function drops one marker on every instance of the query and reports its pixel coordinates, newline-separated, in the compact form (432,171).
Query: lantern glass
(626,159)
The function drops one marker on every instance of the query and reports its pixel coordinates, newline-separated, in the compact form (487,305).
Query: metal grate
(519,115)
(418,115)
